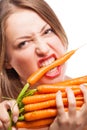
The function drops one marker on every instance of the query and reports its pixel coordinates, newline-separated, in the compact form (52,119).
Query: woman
(31,37)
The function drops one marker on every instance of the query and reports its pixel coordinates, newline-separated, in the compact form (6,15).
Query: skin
(32,39)
(29,43)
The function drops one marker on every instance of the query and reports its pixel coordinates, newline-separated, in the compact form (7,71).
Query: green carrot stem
(19,99)
(21,110)
(10,128)
(21,118)
(10,114)
(20,96)
(30,92)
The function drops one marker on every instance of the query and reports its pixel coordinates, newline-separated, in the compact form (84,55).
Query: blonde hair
(10,84)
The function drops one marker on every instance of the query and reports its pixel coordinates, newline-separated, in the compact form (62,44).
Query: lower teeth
(52,70)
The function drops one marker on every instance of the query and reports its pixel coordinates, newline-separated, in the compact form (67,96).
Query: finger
(13,128)
(54,125)
(15,110)
(84,107)
(59,104)
(1,125)
(4,116)
(71,102)
(84,91)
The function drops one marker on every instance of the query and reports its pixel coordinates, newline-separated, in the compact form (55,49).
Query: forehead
(23,22)
(21,15)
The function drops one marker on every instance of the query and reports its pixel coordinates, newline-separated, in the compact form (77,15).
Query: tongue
(53,72)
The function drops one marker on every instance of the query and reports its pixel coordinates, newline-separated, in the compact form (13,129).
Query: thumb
(14,110)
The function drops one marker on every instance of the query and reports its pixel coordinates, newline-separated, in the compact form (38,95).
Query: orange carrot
(40,106)
(39,119)
(74,81)
(39,73)
(39,123)
(76,93)
(50,104)
(46,97)
(40,114)
(38,98)
(54,88)
(34,124)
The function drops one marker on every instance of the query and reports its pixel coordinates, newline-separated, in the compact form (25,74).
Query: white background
(73,16)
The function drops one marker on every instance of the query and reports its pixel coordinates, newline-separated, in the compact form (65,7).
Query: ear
(7,65)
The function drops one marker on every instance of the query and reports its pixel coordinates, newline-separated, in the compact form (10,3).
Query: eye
(23,44)
(48,31)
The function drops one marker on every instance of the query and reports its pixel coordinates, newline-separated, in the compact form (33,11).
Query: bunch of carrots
(39,109)
(38,106)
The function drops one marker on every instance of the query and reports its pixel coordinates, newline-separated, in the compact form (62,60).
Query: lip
(45,58)
(52,73)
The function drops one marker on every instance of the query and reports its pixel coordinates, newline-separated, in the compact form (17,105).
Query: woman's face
(31,44)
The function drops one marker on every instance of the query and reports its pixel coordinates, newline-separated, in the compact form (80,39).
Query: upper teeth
(47,62)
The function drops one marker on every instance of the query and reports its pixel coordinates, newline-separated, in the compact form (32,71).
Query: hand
(4,116)
(72,119)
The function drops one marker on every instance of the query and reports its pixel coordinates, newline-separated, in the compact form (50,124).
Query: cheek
(23,66)
(19,63)
(57,46)
(19,58)
(16,59)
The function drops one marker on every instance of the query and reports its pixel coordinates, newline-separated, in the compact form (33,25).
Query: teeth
(47,62)
(52,70)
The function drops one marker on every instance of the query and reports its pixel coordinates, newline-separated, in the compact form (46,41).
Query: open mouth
(47,61)
(53,72)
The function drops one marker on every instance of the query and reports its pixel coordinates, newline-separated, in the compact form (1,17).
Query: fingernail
(67,88)
(15,119)
(59,92)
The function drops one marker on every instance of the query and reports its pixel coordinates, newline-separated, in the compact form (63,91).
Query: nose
(42,48)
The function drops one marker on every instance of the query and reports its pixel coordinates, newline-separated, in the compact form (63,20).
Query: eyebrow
(39,32)
(43,27)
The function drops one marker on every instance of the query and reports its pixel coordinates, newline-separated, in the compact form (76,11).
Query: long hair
(10,84)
